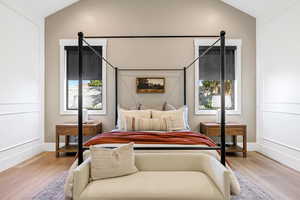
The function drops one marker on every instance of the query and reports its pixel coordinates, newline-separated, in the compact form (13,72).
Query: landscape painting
(150,85)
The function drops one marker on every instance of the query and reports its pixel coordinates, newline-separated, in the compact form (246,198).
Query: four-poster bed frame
(221,38)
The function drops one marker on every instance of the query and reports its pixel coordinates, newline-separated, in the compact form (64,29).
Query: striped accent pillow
(145,124)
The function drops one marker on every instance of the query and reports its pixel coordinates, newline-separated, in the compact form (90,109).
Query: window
(207,76)
(94,77)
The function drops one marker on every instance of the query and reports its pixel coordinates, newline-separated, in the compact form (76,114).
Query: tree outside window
(209,86)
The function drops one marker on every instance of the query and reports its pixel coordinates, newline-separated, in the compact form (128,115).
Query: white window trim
(63,75)
(238,85)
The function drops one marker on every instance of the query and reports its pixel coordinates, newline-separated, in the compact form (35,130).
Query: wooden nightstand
(232,129)
(70,129)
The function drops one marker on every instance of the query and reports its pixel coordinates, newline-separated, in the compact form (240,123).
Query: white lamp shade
(216,101)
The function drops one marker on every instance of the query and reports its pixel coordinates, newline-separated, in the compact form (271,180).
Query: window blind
(209,64)
(91,64)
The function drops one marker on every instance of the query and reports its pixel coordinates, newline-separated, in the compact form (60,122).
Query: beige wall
(146,17)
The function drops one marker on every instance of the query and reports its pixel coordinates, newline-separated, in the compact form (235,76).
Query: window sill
(75,112)
(213,112)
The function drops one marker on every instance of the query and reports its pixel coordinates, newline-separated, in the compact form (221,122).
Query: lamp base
(218,116)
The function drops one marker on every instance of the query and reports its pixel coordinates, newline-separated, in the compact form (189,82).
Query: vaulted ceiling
(37,9)
(261,9)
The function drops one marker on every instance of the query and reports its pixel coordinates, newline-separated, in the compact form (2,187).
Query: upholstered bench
(160,176)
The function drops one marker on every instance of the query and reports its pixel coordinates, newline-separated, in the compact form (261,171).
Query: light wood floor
(28,178)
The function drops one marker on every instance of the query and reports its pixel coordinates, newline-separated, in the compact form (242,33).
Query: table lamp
(216,103)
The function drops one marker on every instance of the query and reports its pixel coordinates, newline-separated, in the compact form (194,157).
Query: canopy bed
(215,177)
(187,146)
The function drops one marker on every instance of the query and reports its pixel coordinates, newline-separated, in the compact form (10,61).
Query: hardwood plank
(280,181)
(28,178)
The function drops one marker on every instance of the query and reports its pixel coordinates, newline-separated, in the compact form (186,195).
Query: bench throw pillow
(108,163)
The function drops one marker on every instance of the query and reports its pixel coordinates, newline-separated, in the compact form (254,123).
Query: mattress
(210,152)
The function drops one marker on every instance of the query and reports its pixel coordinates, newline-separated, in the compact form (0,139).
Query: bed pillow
(176,119)
(145,124)
(122,114)
(150,107)
(163,107)
(186,116)
(167,107)
(174,123)
(109,163)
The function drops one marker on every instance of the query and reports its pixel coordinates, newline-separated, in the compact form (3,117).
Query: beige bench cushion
(154,185)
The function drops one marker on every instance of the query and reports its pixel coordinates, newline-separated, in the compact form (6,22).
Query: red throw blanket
(185,138)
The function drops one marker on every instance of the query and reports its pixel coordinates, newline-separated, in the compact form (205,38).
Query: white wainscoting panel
(19,129)
(278,110)
(281,153)
(280,128)
(21,86)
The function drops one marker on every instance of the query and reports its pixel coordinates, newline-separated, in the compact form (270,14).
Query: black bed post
(222,49)
(116,94)
(80,149)
(184,84)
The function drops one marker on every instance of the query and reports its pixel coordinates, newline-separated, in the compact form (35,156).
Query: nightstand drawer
(73,130)
(216,131)
(237,131)
(60,130)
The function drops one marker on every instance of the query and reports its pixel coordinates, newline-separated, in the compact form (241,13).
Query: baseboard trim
(281,154)
(252,146)
(20,144)
(51,146)
(15,156)
(281,144)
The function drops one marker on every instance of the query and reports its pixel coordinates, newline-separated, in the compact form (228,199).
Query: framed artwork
(150,85)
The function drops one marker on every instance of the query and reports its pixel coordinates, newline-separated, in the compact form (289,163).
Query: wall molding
(289,108)
(18,113)
(19,144)
(19,108)
(282,144)
(280,112)
(19,103)
(287,102)
(20,154)
(281,154)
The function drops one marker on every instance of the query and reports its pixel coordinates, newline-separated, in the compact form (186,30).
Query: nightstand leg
(245,146)
(234,140)
(57,146)
(67,140)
